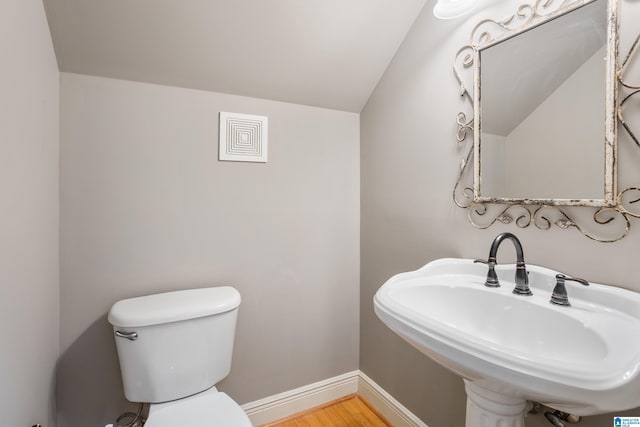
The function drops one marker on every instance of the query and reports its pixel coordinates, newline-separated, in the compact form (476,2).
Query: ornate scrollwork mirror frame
(615,210)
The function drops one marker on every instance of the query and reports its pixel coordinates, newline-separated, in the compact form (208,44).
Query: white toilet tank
(174,344)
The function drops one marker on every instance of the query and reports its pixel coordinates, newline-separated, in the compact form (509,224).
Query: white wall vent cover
(243,137)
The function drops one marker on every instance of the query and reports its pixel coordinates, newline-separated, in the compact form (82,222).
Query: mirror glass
(541,105)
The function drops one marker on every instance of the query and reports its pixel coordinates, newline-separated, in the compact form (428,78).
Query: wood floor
(350,411)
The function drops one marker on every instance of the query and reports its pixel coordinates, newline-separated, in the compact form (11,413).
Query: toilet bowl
(209,408)
(173,348)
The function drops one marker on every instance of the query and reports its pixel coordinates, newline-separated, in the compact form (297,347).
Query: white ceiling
(327,53)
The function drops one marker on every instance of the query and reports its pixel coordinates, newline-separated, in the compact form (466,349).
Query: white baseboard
(300,399)
(395,412)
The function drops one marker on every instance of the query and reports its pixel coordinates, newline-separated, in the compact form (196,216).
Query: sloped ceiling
(326,53)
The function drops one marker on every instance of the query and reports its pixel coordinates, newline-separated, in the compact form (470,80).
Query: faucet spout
(521,278)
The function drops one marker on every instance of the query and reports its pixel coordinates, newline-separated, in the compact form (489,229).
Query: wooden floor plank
(344,417)
(350,411)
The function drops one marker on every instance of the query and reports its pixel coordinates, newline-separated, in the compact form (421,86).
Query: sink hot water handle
(492,277)
(559,295)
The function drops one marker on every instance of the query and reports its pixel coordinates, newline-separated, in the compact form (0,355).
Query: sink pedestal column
(486,408)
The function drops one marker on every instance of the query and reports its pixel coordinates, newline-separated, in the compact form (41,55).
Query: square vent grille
(243,137)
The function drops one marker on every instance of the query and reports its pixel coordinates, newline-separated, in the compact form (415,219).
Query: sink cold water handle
(132,336)
(559,295)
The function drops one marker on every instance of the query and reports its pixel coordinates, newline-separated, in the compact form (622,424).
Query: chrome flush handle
(131,336)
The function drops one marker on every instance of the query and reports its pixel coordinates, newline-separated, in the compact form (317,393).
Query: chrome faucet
(522,278)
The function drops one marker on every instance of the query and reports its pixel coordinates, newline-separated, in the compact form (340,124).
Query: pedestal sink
(583,359)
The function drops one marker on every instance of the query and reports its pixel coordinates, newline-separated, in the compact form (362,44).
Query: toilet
(173,348)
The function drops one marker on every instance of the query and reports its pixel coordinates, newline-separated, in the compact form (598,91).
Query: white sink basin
(582,359)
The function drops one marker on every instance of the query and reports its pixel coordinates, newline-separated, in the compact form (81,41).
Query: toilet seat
(210,408)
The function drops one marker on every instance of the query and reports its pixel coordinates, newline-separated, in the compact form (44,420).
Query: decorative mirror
(545,104)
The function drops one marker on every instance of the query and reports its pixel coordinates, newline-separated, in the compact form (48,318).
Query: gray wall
(28,215)
(409,162)
(146,207)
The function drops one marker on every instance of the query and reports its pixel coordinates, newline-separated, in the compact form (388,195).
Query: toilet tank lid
(173,306)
